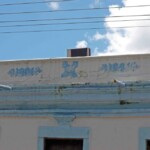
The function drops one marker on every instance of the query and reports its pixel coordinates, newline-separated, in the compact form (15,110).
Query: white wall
(105,133)
(75,70)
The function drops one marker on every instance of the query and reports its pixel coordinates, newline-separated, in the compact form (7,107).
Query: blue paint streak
(69,69)
(119,67)
(24,72)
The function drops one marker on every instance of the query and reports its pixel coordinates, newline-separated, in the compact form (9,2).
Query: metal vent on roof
(79,52)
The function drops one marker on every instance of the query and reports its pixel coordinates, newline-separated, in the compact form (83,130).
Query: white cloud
(81,44)
(97,36)
(53,5)
(127,40)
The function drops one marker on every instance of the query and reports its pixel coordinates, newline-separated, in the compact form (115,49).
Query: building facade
(82,103)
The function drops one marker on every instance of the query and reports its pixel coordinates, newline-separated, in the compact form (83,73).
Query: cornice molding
(76,99)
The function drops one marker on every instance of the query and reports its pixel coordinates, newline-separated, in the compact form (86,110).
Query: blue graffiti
(119,67)
(24,72)
(69,69)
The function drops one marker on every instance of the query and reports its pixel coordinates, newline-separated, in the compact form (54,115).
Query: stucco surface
(21,133)
(75,70)
(105,133)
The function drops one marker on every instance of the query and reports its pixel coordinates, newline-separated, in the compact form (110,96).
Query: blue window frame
(63,132)
(144,136)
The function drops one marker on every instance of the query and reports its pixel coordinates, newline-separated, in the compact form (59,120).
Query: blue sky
(55,44)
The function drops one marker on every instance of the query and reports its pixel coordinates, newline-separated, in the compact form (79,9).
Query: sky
(58,26)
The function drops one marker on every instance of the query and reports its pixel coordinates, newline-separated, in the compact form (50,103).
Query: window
(147,144)
(63,138)
(144,139)
(63,144)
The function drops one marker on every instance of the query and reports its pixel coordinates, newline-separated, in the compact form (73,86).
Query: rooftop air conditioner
(78,52)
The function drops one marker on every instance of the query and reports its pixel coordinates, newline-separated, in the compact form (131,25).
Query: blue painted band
(79,100)
(63,132)
(78,113)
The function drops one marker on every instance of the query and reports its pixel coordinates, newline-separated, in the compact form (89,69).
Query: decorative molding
(133,99)
(78,113)
(64,120)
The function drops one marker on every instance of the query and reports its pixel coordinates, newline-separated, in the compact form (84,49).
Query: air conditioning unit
(79,52)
